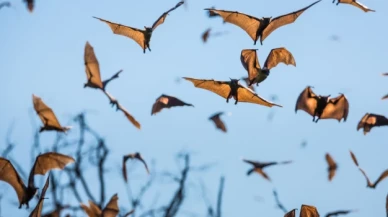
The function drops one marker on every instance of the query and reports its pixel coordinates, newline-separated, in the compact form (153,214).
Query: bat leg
(236,102)
(227,98)
(316,121)
(254,43)
(314,118)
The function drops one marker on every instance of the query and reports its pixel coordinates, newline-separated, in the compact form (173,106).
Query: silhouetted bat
(137,156)
(142,37)
(166,101)
(323,107)
(251,64)
(37,212)
(308,211)
(5,4)
(43,163)
(246,79)
(290,213)
(258,27)
(370,120)
(110,210)
(280,205)
(47,116)
(259,166)
(339,212)
(354,3)
(332,166)
(205,35)
(30,4)
(92,69)
(218,122)
(229,89)
(113,102)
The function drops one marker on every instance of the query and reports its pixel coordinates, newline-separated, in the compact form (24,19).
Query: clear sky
(42,54)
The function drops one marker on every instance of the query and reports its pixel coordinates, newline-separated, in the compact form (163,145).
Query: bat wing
(330,160)
(247,95)
(357,4)
(354,158)
(205,35)
(246,22)
(246,80)
(124,168)
(384,97)
(130,32)
(218,122)
(45,113)
(290,213)
(261,172)
(369,183)
(129,213)
(365,120)
(92,67)
(111,209)
(129,116)
(250,62)
(161,19)
(220,88)
(337,108)
(381,177)
(9,174)
(165,101)
(283,20)
(92,210)
(308,211)
(37,212)
(306,101)
(279,55)
(144,163)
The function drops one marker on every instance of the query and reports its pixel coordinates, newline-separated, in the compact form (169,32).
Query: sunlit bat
(291,213)
(142,37)
(322,107)
(47,116)
(218,122)
(137,156)
(258,27)
(37,211)
(251,64)
(229,89)
(354,3)
(308,211)
(110,210)
(259,166)
(332,166)
(212,14)
(165,101)
(370,120)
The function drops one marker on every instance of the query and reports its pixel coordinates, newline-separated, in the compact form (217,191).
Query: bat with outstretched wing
(259,27)
(339,212)
(259,166)
(43,163)
(308,211)
(322,107)
(218,122)
(47,116)
(137,156)
(355,4)
(229,89)
(251,63)
(92,69)
(370,120)
(332,166)
(37,212)
(112,208)
(166,101)
(142,37)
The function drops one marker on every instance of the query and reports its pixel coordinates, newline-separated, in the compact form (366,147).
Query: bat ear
(230,78)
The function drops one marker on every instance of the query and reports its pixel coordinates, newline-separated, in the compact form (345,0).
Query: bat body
(218,122)
(166,101)
(322,107)
(251,64)
(142,37)
(30,5)
(339,212)
(47,116)
(43,163)
(137,156)
(229,89)
(37,212)
(92,69)
(308,211)
(258,27)
(370,120)
(355,4)
(259,166)
(332,166)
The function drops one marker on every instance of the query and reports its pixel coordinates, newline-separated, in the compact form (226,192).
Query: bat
(166,101)
(259,27)
(142,37)
(339,212)
(218,122)
(323,107)
(246,80)
(354,158)
(137,156)
(30,5)
(332,166)
(92,69)
(229,89)
(116,103)
(259,166)
(290,213)
(279,205)
(92,211)
(370,120)
(5,4)
(43,163)
(37,212)
(354,3)
(47,116)
(212,14)
(251,64)
(205,35)
(110,210)
(308,211)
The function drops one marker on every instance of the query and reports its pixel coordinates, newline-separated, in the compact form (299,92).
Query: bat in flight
(308,211)
(205,35)
(111,209)
(30,5)
(279,205)
(370,120)
(92,69)
(218,122)
(212,14)
(229,89)
(137,156)
(47,116)
(339,212)
(43,163)
(291,213)
(251,64)
(259,166)
(369,183)
(332,166)
(37,212)
(322,107)
(259,27)
(354,3)
(246,80)
(142,37)
(116,103)
(165,101)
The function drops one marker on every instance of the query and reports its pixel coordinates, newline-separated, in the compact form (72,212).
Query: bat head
(148,29)
(267,20)
(234,81)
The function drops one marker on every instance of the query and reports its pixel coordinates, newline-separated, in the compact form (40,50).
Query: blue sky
(42,54)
